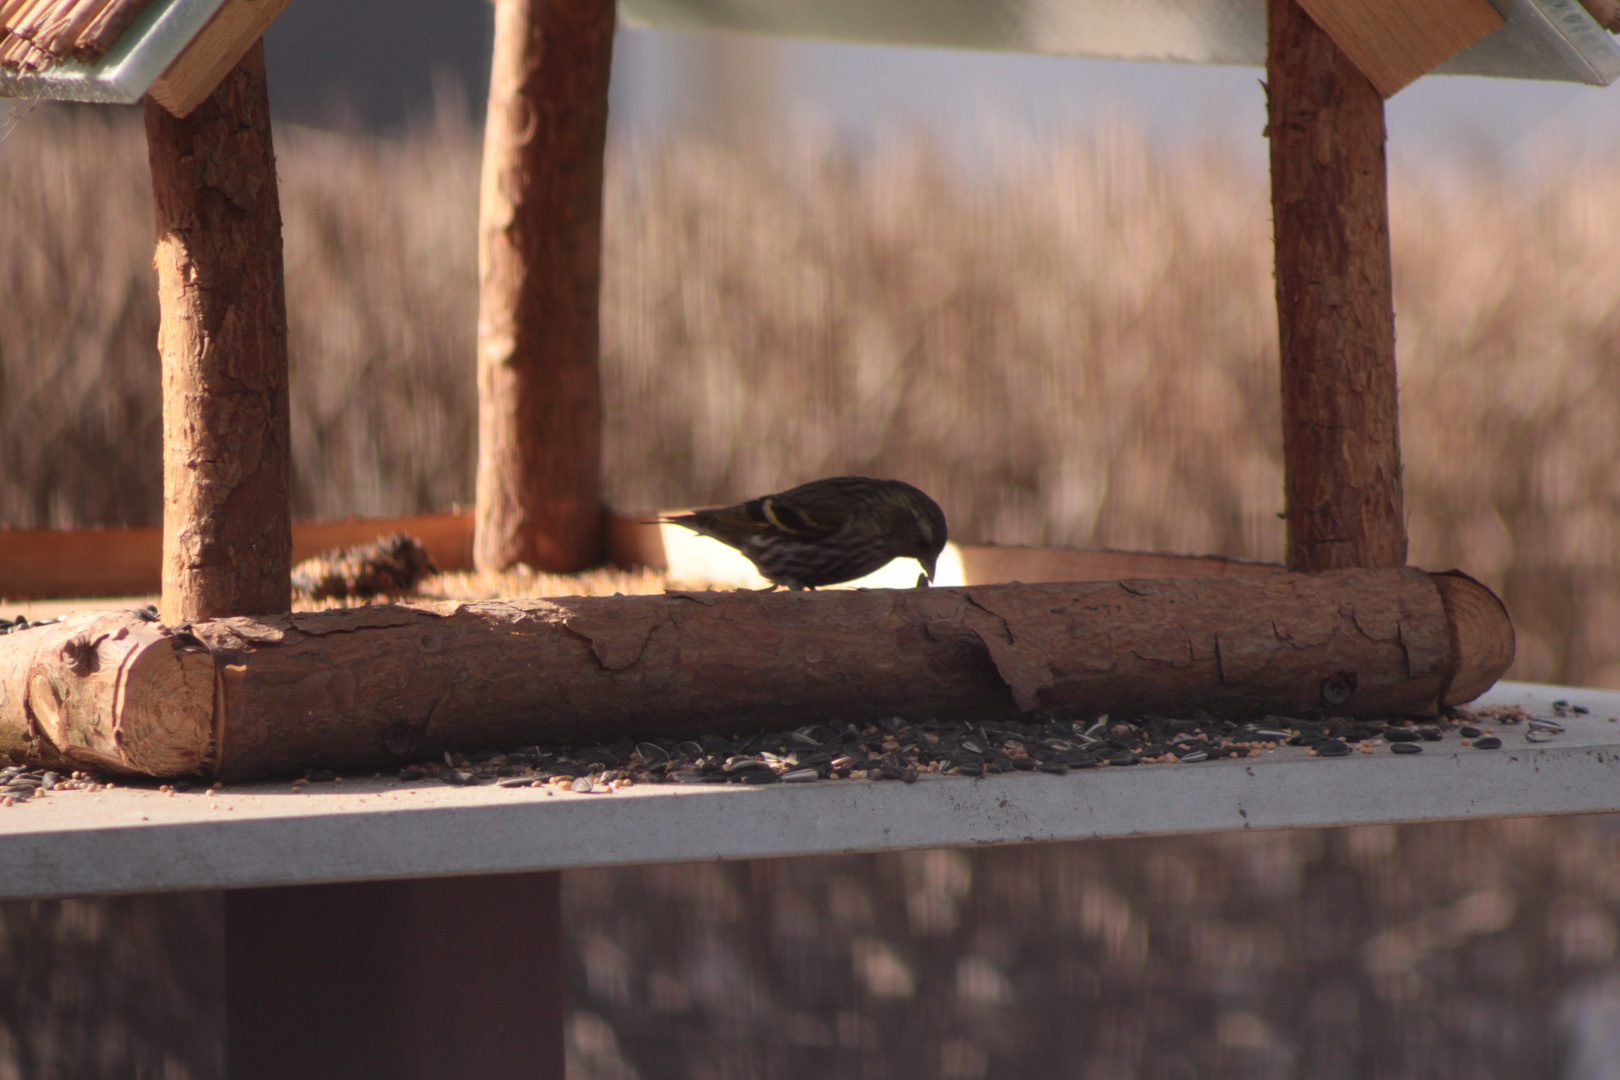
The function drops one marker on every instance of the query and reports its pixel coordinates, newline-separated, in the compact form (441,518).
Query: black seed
(1469,731)
(1024,764)
(1430,734)
(1405,748)
(1333,748)
(1400,735)
(1489,742)
(971,768)
(1056,768)
(1124,757)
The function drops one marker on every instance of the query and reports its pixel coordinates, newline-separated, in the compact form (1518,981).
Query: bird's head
(919,530)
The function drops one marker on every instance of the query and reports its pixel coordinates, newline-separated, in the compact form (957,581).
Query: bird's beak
(927,565)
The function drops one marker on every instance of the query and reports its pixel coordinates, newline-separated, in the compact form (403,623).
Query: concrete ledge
(140,840)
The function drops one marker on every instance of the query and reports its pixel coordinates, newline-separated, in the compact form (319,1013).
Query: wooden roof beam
(1395,41)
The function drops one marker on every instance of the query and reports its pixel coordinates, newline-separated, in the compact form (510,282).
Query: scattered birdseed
(1489,742)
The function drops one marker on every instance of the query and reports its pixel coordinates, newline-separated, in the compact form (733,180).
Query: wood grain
(221,44)
(1393,42)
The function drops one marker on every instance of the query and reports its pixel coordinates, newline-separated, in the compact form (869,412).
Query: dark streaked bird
(828,531)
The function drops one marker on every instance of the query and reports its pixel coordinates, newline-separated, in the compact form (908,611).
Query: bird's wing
(763,517)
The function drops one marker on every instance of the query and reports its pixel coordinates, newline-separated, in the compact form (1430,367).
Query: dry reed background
(1074,349)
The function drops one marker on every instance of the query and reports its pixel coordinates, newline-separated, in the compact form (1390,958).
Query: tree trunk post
(413,980)
(1335,310)
(227,518)
(539,257)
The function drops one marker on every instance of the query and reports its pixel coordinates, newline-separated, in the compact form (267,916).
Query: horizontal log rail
(242,697)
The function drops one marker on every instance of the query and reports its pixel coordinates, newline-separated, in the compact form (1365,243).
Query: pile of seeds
(19,782)
(896,749)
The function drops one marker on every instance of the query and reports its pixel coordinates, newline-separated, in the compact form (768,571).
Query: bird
(828,531)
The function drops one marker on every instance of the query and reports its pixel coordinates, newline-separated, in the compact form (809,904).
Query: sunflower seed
(800,776)
(1553,726)
(1540,735)
(1405,748)
(1196,755)
(1489,742)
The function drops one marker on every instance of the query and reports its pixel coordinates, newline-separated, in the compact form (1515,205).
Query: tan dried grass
(1076,349)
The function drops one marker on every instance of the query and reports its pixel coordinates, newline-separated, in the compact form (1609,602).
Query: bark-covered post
(1335,311)
(539,257)
(227,520)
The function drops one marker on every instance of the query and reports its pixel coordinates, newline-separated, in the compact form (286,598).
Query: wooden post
(227,521)
(1335,312)
(412,980)
(539,256)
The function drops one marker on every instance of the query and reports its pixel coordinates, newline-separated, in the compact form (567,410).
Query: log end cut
(114,693)
(1482,642)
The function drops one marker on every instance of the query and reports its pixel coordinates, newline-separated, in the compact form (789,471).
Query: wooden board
(1395,41)
(212,53)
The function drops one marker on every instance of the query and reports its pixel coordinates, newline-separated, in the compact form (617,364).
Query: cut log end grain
(1482,640)
(111,692)
(247,697)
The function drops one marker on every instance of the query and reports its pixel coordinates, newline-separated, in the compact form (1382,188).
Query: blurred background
(1040,289)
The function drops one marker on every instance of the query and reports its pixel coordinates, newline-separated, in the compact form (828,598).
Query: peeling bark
(250,696)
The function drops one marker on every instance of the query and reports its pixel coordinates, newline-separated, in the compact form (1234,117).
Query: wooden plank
(986,564)
(1335,307)
(235,28)
(44,563)
(1393,42)
(412,980)
(539,499)
(227,460)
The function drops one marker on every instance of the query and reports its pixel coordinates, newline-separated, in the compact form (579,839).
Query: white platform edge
(144,52)
(135,840)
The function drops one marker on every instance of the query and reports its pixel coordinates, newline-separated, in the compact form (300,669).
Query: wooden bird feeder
(227,683)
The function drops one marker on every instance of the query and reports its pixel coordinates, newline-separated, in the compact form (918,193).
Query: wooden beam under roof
(1395,41)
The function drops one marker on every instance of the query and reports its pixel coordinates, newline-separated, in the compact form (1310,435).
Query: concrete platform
(131,840)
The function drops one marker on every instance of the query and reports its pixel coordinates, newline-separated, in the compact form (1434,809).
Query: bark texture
(1335,309)
(394,683)
(227,522)
(539,256)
